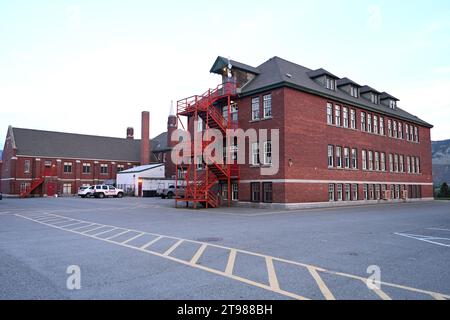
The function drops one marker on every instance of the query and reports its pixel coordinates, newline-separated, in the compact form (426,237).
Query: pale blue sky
(92,66)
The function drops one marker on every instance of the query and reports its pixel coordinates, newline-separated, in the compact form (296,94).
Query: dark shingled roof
(222,62)
(365,89)
(320,72)
(346,81)
(386,95)
(278,72)
(78,146)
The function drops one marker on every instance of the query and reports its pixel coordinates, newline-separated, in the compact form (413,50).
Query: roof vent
(289,75)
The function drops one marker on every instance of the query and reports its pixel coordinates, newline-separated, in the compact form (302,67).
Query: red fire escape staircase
(33,186)
(199,184)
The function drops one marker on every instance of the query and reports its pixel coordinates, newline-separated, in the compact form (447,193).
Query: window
(354,91)
(256,191)
(353,119)
(392,104)
(24,186)
(67,167)
(337,116)
(377,192)
(392,188)
(382,126)
(255,154)
(364,159)
(86,168)
(339,192)
(120,167)
(331,192)
(366,191)
(200,123)
(408,164)
(329,113)
(355,192)
(199,163)
(235,192)
(395,130)
(416,134)
(268,153)
(363,121)
(27,166)
(417,165)
(377,161)
(339,157)
(413,165)
(104,169)
(347,158)
(345,116)
(396,163)
(355,159)
(255,109)
(407,132)
(347,192)
(402,164)
(330,83)
(267,106)
(267,192)
(67,188)
(411,133)
(330,156)
(371,192)
(391,162)
(390,128)
(374,98)
(400,130)
(369,122)
(375,124)
(370,160)
(383,161)
(397,191)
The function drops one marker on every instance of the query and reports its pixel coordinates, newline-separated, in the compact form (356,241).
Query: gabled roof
(41,143)
(365,89)
(321,72)
(346,81)
(385,95)
(277,72)
(222,62)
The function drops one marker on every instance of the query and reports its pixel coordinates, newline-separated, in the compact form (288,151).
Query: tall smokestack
(145,138)
(130,133)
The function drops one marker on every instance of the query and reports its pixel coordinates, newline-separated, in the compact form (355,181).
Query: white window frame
(347,158)
(255,154)
(337,115)
(267,106)
(369,123)
(364,159)
(267,152)
(345,116)
(363,121)
(370,156)
(382,126)
(353,119)
(355,159)
(339,157)
(330,156)
(255,109)
(26,166)
(375,124)
(330,113)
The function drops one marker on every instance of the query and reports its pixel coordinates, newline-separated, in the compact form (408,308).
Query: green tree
(444,191)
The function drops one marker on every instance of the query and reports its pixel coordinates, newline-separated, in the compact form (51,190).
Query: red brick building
(48,163)
(340,142)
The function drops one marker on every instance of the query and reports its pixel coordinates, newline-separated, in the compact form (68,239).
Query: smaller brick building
(49,163)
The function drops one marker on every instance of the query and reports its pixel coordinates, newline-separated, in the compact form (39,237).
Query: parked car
(105,191)
(170,193)
(1,196)
(86,192)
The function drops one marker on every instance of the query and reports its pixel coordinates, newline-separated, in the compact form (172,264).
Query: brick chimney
(145,138)
(130,133)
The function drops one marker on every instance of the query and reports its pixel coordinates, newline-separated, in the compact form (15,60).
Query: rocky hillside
(441,161)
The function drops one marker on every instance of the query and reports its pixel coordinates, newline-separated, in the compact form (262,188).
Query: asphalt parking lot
(146,249)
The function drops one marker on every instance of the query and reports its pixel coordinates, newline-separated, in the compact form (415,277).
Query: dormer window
(330,83)
(393,104)
(374,98)
(354,91)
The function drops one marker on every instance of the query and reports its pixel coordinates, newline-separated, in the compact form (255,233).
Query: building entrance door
(51,189)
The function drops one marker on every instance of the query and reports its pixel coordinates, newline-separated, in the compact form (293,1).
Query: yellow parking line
(273,280)
(145,246)
(231,261)
(322,286)
(172,248)
(199,253)
(230,264)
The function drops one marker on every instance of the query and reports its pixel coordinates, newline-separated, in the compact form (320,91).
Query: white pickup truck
(104,191)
